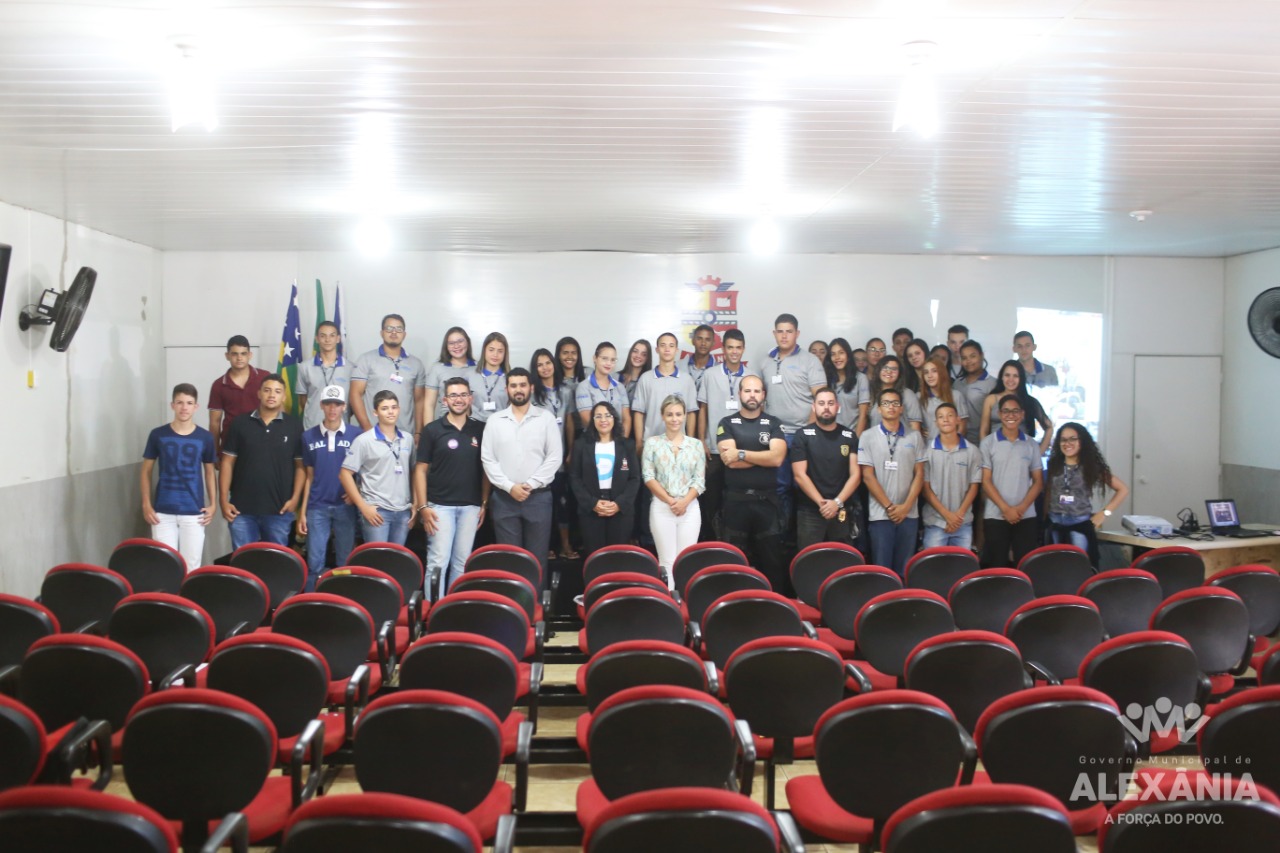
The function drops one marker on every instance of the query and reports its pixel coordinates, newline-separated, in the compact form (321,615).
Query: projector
(1147,525)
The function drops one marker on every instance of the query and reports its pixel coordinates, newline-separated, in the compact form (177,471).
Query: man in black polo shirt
(452,504)
(261,475)
(824,457)
(752,446)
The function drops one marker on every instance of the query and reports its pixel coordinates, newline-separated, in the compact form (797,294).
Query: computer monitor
(1222,513)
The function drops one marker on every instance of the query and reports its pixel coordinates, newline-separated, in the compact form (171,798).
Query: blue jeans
(394,527)
(339,520)
(260,528)
(449,547)
(937,536)
(1077,539)
(893,544)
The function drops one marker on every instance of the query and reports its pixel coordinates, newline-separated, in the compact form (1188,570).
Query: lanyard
(395,362)
(607,392)
(328,377)
(553,395)
(891,438)
(393,446)
(733,389)
(489,386)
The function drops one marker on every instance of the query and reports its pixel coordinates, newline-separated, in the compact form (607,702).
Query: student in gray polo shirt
(952,474)
(718,398)
(600,386)
(325,369)
(488,380)
(390,368)
(792,376)
(383,457)
(892,461)
(1012,479)
(666,379)
(975,384)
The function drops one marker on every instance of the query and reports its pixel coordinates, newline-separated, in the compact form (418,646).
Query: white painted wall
(1157,306)
(1250,375)
(91,406)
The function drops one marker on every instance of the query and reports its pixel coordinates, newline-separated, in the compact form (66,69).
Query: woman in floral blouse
(674,468)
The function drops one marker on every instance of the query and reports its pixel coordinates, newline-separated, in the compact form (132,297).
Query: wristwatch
(1107,513)
(839,504)
(742,456)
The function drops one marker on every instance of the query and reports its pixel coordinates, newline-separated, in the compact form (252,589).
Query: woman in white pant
(674,468)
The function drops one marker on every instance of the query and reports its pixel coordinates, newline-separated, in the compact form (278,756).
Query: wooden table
(1221,553)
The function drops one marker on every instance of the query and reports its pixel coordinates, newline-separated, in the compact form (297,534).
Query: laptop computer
(1224,520)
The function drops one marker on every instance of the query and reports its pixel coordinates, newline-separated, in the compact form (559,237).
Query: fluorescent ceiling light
(765,238)
(191,98)
(918,99)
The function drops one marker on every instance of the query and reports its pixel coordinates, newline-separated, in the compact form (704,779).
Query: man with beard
(824,457)
(752,447)
(521,453)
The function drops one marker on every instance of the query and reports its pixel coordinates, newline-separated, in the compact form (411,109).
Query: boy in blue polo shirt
(184,497)
(325,507)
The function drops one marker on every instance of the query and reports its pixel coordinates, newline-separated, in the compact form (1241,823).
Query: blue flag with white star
(290,348)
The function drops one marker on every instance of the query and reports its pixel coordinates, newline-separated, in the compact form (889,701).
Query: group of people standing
(828,443)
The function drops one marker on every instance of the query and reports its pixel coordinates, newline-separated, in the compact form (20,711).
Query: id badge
(890,465)
(397,378)
(490,406)
(559,421)
(777,379)
(1066,499)
(399,470)
(731,405)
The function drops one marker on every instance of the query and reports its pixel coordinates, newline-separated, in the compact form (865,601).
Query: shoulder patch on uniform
(720,430)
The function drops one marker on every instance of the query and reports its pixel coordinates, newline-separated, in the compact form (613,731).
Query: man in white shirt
(521,453)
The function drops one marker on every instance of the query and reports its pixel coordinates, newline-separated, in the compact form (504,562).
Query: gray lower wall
(69,519)
(1255,490)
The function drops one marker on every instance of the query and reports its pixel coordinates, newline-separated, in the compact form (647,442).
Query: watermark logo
(1162,719)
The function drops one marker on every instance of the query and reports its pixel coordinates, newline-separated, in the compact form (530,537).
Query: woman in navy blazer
(605,476)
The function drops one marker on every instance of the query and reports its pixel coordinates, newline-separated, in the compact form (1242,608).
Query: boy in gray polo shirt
(383,457)
(953,472)
(892,461)
(655,386)
(1012,479)
(325,369)
(389,368)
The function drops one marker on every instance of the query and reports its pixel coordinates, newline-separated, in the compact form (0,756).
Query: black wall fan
(63,311)
(1264,321)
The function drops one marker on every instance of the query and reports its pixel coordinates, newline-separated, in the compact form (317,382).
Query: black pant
(812,528)
(710,501)
(1000,534)
(598,532)
(753,522)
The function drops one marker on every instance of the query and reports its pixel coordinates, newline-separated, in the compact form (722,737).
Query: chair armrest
(1035,670)
(505,836)
(433,583)
(851,670)
(237,629)
(746,756)
(185,673)
(970,756)
(309,745)
(356,698)
(415,614)
(93,626)
(791,841)
(386,648)
(695,637)
(9,680)
(535,677)
(713,678)
(233,830)
(1203,689)
(524,745)
(809,631)
(539,639)
(74,752)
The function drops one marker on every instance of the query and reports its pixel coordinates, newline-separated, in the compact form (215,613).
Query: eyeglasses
(1011,411)
(876,350)
(603,417)
(890,404)
(455,342)
(395,330)
(1068,441)
(464,396)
